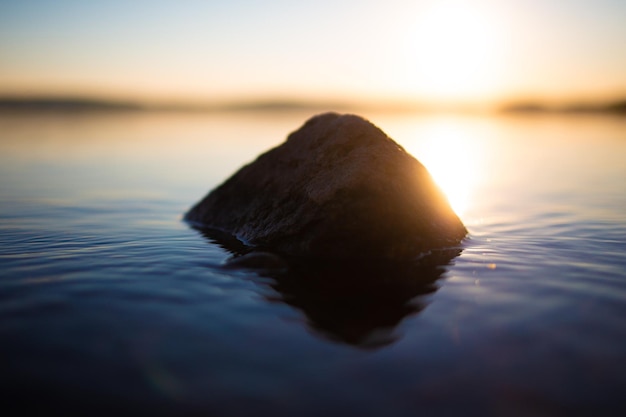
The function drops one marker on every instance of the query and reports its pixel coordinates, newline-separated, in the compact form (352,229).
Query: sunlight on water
(454,160)
(454,156)
(107,297)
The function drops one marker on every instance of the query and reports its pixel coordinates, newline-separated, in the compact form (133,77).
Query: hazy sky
(444,50)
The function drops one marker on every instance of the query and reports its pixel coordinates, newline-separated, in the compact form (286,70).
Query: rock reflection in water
(356,302)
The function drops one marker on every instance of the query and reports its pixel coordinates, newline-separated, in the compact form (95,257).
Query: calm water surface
(110,304)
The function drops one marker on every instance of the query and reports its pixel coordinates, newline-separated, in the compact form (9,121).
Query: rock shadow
(360,303)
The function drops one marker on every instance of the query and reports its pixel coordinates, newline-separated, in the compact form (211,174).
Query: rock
(338,188)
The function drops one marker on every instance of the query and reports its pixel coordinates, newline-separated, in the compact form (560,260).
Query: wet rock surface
(338,188)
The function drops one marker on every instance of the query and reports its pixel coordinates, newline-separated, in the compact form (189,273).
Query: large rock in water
(338,188)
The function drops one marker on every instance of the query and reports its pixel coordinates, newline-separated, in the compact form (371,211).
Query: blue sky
(445,50)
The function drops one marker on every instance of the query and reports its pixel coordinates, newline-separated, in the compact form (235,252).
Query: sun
(453,52)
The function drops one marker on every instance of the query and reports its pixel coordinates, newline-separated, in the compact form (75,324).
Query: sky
(443,51)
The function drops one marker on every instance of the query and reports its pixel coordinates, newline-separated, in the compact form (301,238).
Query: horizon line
(78,102)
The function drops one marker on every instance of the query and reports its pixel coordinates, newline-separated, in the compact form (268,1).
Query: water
(110,304)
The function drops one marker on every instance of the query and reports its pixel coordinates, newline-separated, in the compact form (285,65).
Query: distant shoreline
(11,104)
(73,104)
(613,107)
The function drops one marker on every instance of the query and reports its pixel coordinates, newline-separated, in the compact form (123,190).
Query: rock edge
(337,188)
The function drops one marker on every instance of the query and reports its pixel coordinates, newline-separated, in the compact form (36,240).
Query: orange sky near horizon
(446,51)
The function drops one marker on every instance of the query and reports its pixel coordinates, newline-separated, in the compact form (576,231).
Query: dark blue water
(110,304)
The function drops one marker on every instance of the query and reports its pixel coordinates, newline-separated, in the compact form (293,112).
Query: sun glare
(453,52)
(453,158)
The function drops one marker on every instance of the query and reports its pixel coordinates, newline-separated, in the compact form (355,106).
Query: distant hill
(70,104)
(78,104)
(613,107)
(64,104)
(618,107)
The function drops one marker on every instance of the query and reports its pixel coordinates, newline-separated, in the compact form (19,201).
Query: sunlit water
(110,303)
